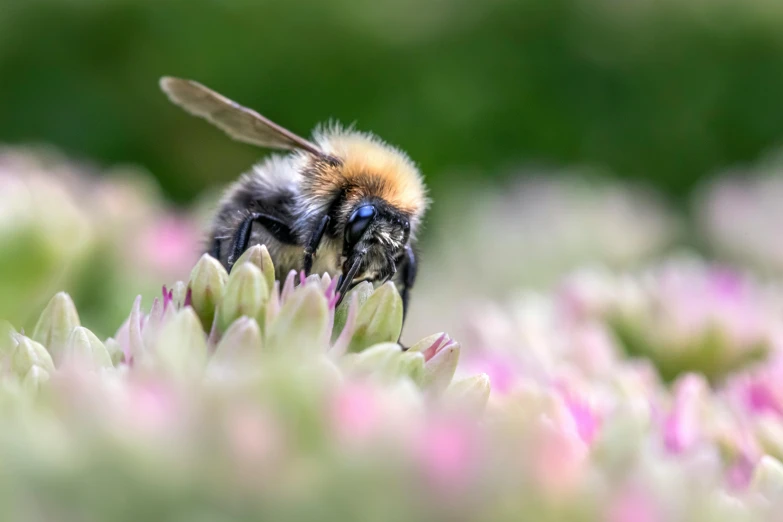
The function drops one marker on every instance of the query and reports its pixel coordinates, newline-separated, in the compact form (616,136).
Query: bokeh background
(666,91)
(663,95)
(604,252)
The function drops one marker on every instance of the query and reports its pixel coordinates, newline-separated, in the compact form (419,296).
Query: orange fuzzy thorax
(373,168)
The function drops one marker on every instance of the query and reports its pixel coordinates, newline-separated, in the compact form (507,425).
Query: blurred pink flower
(253,436)
(740,470)
(761,398)
(448,451)
(150,406)
(593,349)
(500,368)
(634,505)
(583,414)
(169,247)
(682,426)
(558,453)
(684,315)
(356,412)
(696,300)
(761,390)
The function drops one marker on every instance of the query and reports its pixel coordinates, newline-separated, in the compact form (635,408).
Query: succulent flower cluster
(679,363)
(620,394)
(221,326)
(682,314)
(236,396)
(251,386)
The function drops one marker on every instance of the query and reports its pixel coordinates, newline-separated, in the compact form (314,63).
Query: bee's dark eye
(358,223)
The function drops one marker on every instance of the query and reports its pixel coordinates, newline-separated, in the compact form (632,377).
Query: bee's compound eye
(358,223)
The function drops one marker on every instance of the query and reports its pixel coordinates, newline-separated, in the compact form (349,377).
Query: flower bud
(682,426)
(427,342)
(207,283)
(381,360)
(379,320)
(412,365)
(259,256)
(153,321)
(181,347)
(288,285)
(246,294)
(301,324)
(35,378)
(29,353)
(55,324)
(326,282)
(769,432)
(361,293)
(469,394)
(439,370)
(768,478)
(179,294)
(85,350)
(136,346)
(239,345)
(273,304)
(114,349)
(621,438)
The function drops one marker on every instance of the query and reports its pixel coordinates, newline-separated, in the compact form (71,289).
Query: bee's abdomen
(265,201)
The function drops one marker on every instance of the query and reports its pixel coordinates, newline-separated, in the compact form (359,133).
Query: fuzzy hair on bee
(345,203)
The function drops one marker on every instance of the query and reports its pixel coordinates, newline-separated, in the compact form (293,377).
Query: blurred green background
(663,92)
(667,91)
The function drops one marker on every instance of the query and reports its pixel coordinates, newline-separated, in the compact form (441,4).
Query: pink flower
(356,412)
(151,406)
(441,343)
(499,368)
(252,435)
(682,426)
(634,505)
(169,247)
(448,452)
(741,451)
(593,348)
(696,300)
(584,416)
(762,398)
(760,390)
(559,456)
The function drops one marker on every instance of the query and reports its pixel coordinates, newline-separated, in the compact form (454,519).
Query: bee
(346,203)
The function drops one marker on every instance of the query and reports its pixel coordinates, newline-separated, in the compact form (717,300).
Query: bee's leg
(345,280)
(408,276)
(388,276)
(312,246)
(408,268)
(276,228)
(214,250)
(241,240)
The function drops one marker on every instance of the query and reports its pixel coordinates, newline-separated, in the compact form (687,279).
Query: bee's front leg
(276,228)
(214,250)
(315,241)
(408,269)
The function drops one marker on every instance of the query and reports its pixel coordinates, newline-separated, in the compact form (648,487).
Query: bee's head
(375,235)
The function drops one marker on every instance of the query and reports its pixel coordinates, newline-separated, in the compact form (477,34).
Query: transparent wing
(239,122)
